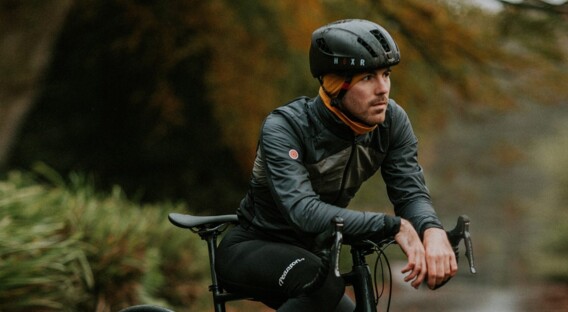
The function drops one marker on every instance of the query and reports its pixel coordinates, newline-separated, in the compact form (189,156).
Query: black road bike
(364,283)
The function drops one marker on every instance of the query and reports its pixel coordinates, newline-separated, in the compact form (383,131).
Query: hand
(440,258)
(410,243)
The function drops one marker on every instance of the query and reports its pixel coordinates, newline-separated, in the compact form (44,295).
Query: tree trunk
(28,31)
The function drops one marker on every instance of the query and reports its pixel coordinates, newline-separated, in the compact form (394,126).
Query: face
(367,99)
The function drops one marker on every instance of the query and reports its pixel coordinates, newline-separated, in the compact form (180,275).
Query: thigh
(262,268)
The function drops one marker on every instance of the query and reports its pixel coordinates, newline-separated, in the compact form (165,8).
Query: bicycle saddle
(188,221)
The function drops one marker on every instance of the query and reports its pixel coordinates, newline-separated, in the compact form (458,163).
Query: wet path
(462,294)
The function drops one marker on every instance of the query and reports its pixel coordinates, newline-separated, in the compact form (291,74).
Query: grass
(65,248)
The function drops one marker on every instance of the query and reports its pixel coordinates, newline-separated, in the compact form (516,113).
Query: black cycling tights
(274,273)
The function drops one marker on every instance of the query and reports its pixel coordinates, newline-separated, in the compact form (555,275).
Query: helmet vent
(323,46)
(367,46)
(382,39)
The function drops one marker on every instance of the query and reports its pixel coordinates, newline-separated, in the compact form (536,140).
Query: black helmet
(351,46)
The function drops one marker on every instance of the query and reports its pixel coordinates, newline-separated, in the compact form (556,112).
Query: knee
(328,295)
(325,297)
(332,289)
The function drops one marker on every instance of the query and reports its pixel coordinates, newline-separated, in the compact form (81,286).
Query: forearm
(314,216)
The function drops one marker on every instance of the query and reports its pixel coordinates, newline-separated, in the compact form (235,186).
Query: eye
(368,77)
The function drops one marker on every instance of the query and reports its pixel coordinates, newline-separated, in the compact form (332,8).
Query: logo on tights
(283,277)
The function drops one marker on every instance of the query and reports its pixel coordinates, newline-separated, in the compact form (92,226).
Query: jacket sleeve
(291,189)
(403,176)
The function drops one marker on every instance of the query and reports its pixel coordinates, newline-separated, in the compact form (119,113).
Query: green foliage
(41,262)
(65,248)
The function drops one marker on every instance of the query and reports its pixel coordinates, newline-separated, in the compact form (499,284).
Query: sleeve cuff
(429,226)
(392,225)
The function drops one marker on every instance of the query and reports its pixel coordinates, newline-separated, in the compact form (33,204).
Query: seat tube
(362,283)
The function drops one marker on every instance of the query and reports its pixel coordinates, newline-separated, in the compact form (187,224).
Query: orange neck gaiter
(332,84)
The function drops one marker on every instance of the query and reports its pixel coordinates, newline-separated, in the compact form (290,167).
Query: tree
(28,31)
(124,100)
(533,33)
(167,98)
(549,8)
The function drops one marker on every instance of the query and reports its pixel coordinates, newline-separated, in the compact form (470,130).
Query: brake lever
(461,231)
(338,225)
(468,248)
(327,247)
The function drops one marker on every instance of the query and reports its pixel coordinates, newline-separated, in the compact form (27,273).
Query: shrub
(65,248)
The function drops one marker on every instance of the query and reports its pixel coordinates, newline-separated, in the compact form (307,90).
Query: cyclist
(312,157)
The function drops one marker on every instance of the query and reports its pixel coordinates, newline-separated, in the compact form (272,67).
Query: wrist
(430,226)
(434,231)
(392,225)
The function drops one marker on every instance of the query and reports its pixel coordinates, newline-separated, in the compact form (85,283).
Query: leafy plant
(65,248)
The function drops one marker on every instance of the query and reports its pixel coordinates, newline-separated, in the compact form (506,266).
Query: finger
(448,268)
(412,275)
(407,268)
(418,280)
(453,265)
(420,271)
(432,274)
(442,267)
(438,270)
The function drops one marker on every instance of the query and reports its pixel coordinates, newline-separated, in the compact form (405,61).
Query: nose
(382,86)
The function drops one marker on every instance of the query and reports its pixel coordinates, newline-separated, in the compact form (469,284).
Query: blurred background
(115,113)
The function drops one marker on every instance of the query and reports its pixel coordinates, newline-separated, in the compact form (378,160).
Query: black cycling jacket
(309,165)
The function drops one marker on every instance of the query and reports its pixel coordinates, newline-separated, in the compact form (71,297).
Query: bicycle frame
(361,280)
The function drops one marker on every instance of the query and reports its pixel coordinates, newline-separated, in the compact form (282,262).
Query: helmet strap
(343,90)
(336,100)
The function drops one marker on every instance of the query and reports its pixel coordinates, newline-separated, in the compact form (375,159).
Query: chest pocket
(327,175)
(364,163)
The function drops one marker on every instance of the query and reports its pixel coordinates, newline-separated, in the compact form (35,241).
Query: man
(312,157)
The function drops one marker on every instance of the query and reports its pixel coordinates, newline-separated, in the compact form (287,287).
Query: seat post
(211,238)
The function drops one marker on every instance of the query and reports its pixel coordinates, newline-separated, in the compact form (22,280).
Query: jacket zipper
(345,171)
